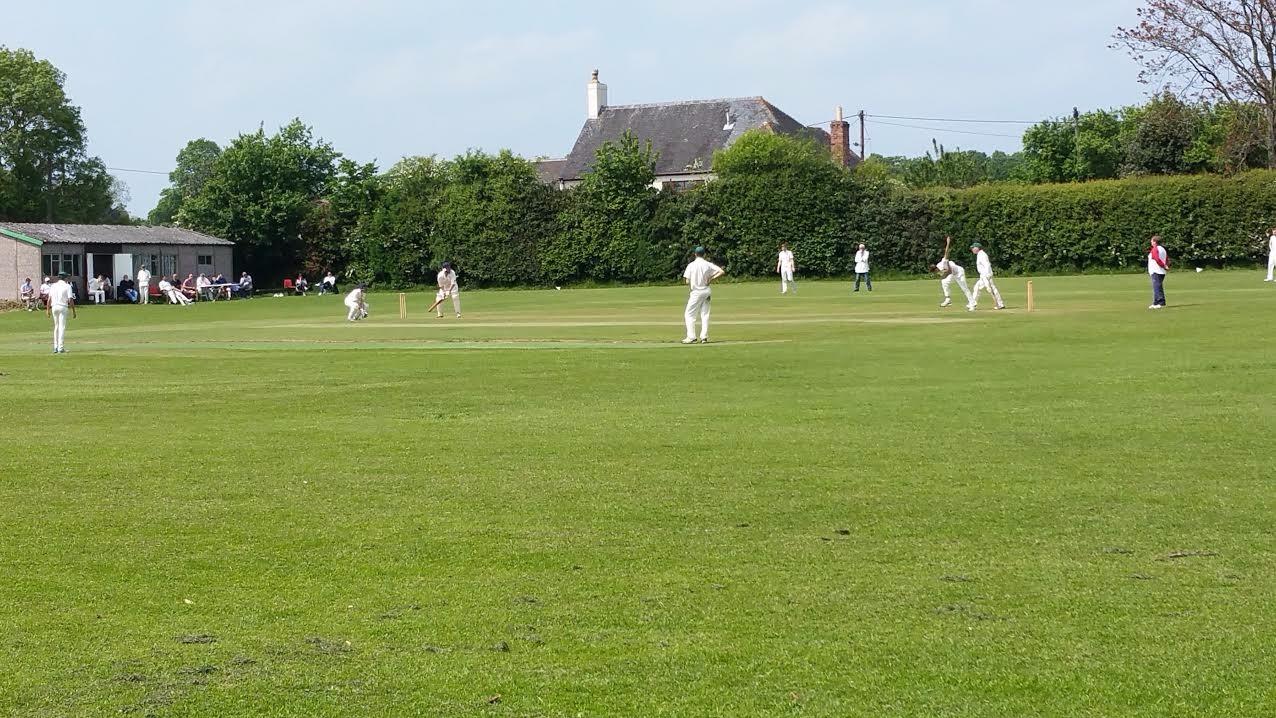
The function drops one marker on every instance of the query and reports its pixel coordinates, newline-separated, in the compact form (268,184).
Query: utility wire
(145,172)
(945,129)
(949,119)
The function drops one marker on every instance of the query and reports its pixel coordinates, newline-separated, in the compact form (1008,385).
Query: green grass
(845,506)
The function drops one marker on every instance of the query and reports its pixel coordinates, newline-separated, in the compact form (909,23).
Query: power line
(144,172)
(945,129)
(949,119)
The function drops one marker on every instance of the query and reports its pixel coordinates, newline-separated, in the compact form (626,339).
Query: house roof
(112,234)
(20,237)
(549,171)
(684,134)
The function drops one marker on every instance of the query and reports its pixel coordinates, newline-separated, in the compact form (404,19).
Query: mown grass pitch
(846,505)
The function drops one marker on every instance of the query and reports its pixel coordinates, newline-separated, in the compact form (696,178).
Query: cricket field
(844,505)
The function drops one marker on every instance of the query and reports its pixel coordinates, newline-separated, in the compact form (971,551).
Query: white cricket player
(1271,255)
(949,272)
(143,278)
(984,266)
(356,303)
(784,265)
(60,301)
(699,275)
(448,287)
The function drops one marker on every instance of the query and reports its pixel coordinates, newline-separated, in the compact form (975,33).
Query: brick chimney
(840,139)
(596,96)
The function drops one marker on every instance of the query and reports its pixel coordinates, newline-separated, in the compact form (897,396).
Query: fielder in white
(357,304)
(1271,255)
(61,300)
(143,278)
(699,275)
(785,265)
(984,266)
(949,272)
(448,287)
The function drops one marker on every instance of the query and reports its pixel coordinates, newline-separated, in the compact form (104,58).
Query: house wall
(18,260)
(186,259)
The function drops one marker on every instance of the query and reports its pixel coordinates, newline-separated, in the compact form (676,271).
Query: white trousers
(59,326)
(99,296)
(986,284)
(143,293)
(456,300)
(357,310)
(960,279)
(786,278)
(175,296)
(1271,265)
(698,306)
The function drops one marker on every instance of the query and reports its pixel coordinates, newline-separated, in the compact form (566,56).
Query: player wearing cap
(785,264)
(357,304)
(984,266)
(949,272)
(699,275)
(60,300)
(447,288)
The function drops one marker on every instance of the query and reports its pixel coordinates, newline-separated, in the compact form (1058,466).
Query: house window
(55,264)
(150,261)
(205,260)
(168,264)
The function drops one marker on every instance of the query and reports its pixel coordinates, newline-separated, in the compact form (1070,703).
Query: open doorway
(104,265)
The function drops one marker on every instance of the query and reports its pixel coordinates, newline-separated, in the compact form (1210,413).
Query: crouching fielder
(447,288)
(699,275)
(984,266)
(949,272)
(356,304)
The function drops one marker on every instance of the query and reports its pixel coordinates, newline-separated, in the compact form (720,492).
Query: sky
(386,79)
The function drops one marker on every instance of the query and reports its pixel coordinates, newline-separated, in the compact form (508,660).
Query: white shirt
(95,285)
(951,266)
(861,261)
(202,283)
(60,295)
(1272,242)
(165,285)
(44,289)
(1153,267)
(786,260)
(354,297)
(699,272)
(143,277)
(983,264)
(447,280)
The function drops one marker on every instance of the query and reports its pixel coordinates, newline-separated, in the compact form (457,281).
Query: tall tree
(1218,49)
(46,173)
(194,166)
(259,193)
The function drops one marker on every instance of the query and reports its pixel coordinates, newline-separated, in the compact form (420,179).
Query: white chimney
(596,94)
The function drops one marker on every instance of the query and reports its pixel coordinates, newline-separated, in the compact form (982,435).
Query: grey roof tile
(114,234)
(684,134)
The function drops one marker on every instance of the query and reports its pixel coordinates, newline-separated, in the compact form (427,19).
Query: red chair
(288,284)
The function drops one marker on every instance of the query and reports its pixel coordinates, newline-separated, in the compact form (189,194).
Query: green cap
(976,245)
(698,250)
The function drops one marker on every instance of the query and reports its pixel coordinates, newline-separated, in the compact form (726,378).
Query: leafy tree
(1085,147)
(605,229)
(774,189)
(492,212)
(46,173)
(195,164)
(391,243)
(1216,49)
(1158,137)
(260,191)
(351,195)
